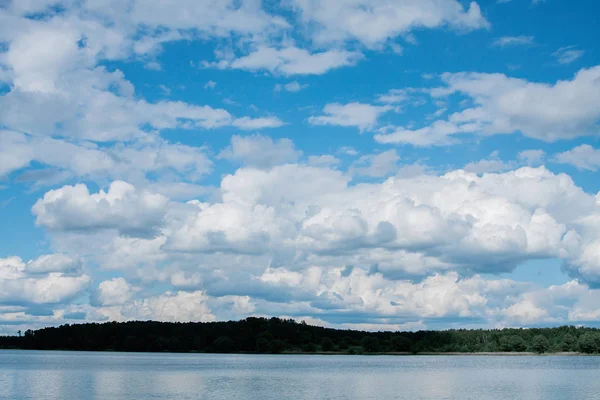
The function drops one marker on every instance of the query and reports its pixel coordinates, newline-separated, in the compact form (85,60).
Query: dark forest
(275,335)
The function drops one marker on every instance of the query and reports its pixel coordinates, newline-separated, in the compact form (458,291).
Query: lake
(124,376)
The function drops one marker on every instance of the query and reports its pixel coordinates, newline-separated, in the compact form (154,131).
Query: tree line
(275,335)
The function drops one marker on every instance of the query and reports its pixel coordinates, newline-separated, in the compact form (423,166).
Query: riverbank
(335,353)
(395,353)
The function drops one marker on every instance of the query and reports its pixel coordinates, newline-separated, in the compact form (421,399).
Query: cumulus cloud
(393,96)
(290,61)
(18,288)
(377,165)
(122,207)
(277,237)
(325,160)
(53,263)
(416,223)
(260,151)
(113,292)
(247,123)
(303,240)
(359,115)
(491,164)
(584,157)
(170,307)
(532,157)
(136,161)
(549,112)
(373,22)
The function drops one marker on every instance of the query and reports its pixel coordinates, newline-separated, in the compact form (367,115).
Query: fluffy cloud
(359,115)
(85,107)
(373,22)
(491,164)
(290,61)
(122,207)
(77,102)
(299,215)
(564,110)
(260,151)
(136,161)
(417,223)
(219,18)
(171,307)
(20,289)
(532,157)
(113,292)
(247,123)
(377,165)
(584,157)
(53,263)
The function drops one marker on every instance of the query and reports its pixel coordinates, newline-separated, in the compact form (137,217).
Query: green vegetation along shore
(275,335)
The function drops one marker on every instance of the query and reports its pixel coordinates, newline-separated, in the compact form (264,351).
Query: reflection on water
(121,376)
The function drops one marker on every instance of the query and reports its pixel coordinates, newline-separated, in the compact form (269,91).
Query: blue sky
(369,164)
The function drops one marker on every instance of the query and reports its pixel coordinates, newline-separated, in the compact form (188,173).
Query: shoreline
(335,353)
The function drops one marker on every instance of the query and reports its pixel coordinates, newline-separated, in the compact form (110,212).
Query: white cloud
(584,157)
(532,157)
(216,18)
(210,85)
(393,96)
(134,162)
(18,288)
(170,307)
(439,133)
(372,294)
(260,151)
(53,263)
(510,41)
(122,207)
(564,110)
(291,87)
(325,160)
(491,164)
(359,115)
(290,61)
(377,165)
(373,22)
(566,55)
(86,107)
(113,292)
(247,123)
(457,220)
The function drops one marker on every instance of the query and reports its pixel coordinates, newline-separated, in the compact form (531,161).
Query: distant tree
(199,343)
(309,347)
(277,335)
(327,344)
(540,344)
(345,342)
(276,346)
(589,343)
(512,343)
(400,343)
(569,343)
(370,344)
(262,345)
(223,344)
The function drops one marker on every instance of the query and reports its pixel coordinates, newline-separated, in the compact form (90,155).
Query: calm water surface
(125,376)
